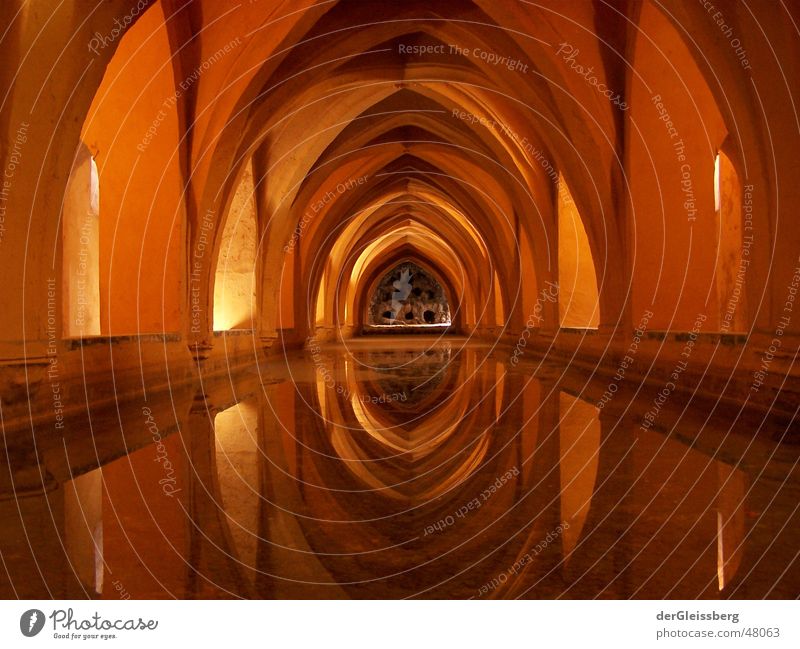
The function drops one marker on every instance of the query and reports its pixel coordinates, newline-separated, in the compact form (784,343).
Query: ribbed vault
(358,118)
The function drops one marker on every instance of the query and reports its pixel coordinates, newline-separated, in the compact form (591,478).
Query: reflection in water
(83,529)
(237,460)
(427,472)
(579,446)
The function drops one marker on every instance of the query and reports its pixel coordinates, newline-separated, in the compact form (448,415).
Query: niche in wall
(732,264)
(409,295)
(80,226)
(578,296)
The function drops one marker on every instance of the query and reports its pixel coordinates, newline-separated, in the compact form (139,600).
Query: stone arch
(133,130)
(38,57)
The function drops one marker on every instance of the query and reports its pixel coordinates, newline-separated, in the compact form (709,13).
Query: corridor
(361,299)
